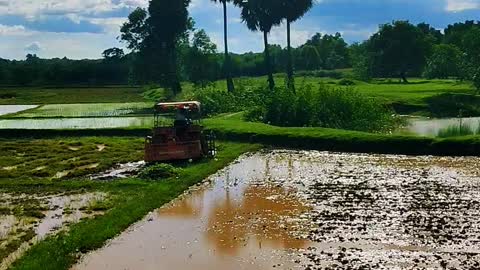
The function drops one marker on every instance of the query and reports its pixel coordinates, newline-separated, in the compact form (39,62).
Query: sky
(81,29)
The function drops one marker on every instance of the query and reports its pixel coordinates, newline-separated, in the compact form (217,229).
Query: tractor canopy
(192,108)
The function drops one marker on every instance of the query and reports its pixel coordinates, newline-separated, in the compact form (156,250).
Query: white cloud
(462,5)
(33,47)
(15,30)
(35,8)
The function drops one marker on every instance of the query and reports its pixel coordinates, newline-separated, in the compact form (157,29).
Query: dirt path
(313,210)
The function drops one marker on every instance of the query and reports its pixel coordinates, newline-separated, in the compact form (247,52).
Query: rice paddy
(77,123)
(9,109)
(87,110)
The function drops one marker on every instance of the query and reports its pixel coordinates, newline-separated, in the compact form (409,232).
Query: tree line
(166,48)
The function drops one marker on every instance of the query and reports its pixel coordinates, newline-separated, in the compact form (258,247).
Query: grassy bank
(235,129)
(134,199)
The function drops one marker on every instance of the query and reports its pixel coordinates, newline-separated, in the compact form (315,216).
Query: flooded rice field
(313,210)
(8,109)
(77,123)
(26,218)
(89,110)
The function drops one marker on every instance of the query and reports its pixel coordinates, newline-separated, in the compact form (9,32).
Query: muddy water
(58,211)
(313,210)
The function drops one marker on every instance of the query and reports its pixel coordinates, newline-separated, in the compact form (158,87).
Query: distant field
(87,110)
(39,96)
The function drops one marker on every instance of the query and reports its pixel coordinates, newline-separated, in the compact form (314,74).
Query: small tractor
(178,134)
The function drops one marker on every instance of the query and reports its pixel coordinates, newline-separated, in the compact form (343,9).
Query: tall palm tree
(261,15)
(227,63)
(291,11)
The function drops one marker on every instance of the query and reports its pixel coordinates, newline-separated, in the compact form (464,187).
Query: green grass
(233,128)
(458,130)
(69,95)
(135,199)
(86,110)
(41,160)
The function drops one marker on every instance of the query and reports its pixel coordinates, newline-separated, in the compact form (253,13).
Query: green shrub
(320,74)
(346,82)
(330,108)
(456,130)
(159,172)
(244,98)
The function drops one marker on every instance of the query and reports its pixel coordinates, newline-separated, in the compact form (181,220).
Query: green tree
(227,61)
(291,11)
(399,49)
(155,35)
(201,62)
(445,62)
(261,15)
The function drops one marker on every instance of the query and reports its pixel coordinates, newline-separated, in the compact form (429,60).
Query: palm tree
(261,15)
(227,63)
(292,10)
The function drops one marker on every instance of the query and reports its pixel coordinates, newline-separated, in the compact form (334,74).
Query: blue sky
(84,28)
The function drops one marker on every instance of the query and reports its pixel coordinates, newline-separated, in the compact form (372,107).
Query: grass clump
(159,171)
(461,129)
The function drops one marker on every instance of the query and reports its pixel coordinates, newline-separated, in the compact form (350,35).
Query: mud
(313,210)
(30,218)
(119,171)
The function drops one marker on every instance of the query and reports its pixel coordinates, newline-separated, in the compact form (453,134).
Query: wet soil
(27,218)
(313,210)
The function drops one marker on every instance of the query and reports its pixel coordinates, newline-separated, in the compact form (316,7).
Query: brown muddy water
(313,210)
(28,218)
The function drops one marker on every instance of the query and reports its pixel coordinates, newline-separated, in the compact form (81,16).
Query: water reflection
(241,220)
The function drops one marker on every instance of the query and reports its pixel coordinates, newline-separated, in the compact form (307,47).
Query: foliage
(445,62)
(262,15)
(331,53)
(476,80)
(155,35)
(398,50)
(326,107)
(201,64)
(159,171)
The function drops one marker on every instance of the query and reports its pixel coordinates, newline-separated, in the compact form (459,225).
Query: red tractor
(178,133)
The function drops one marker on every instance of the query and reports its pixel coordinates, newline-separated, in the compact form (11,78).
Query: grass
(234,128)
(44,159)
(69,95)
(135,199)
(86,110)
(456,131)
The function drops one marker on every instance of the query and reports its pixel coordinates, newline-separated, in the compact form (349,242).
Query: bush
(320,74)
(244,97)
(346,82)
(159,171)
(330,108)
(476,80)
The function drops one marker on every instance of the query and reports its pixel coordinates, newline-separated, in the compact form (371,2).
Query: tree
(155,35)
(201,62)
(227,61)
(399,49)
(291,11)
(261,15)
(445,62)
(113,54)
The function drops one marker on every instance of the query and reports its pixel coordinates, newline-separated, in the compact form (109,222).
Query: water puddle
(313,210)
(120,171)
(26,219)
(8,109)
